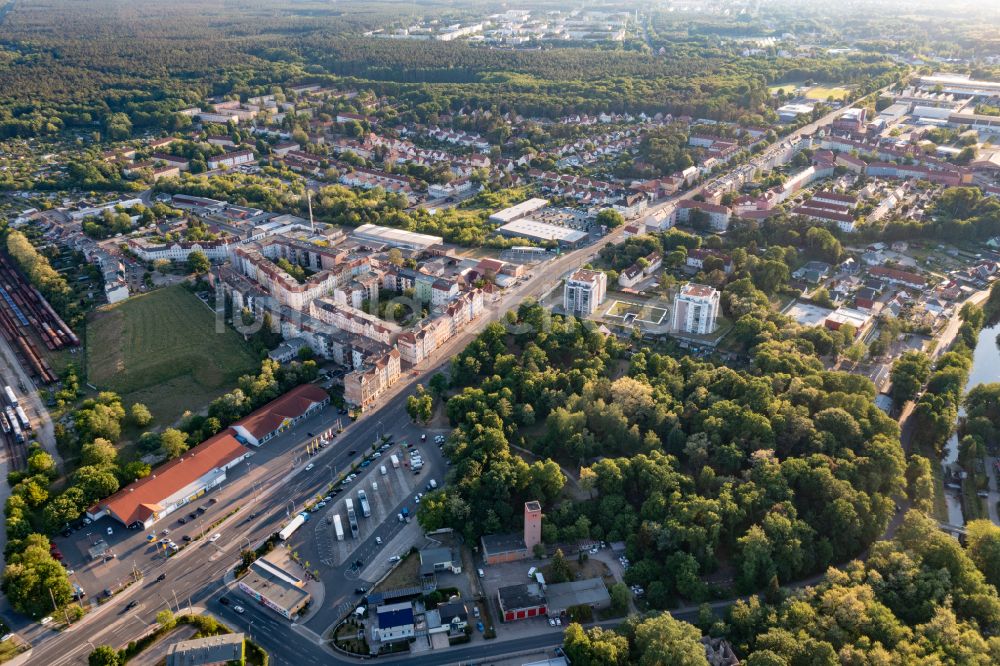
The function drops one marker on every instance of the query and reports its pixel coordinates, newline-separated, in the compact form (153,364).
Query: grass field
(787,87)
(818,93)
(822,93)
(162,349)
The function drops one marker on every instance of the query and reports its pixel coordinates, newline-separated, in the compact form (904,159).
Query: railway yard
(27,320)
(24,311)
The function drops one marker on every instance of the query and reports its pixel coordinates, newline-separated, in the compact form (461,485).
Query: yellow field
(818,93)
(821,93)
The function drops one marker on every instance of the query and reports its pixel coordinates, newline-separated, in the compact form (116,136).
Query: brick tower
(532,524)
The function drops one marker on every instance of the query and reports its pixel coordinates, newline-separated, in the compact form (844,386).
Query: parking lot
(387,494)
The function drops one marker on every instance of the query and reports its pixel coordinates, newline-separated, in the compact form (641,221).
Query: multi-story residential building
(333,270)
(357,291)
(718,216)
(416,345)
(363,386)
(179,251)
(584,292)
(354,321)
(443,292)
(696,308)
(231,159)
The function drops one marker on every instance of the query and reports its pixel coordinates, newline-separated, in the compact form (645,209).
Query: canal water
(985,369)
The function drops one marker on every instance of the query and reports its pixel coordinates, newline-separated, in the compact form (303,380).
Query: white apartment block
(584,292)
(179,251)
(696,309)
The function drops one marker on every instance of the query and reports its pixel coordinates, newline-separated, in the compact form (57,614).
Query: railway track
(24,311)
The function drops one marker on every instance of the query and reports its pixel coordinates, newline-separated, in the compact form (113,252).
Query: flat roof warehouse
(533,229)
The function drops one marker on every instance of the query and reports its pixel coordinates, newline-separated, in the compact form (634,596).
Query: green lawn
(162,349)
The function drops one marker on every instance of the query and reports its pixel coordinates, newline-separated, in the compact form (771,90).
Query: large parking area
(388,489)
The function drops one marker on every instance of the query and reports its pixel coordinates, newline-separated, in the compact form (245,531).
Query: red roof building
(171,486)
(896,276)
(281,414)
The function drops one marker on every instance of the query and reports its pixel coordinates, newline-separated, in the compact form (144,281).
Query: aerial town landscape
(500,333)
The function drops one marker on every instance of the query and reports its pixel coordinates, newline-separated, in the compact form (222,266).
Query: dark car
(66,532)
(360,590)
(310,434)
(192,515)
(162,576)
(132,604)
(201,510)
(187,537)
(182,520)
(224,601)
(352,452)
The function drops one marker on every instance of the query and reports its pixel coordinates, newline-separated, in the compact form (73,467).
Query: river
(985,369)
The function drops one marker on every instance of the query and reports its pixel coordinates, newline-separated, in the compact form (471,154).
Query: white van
(375,486)
(383,470)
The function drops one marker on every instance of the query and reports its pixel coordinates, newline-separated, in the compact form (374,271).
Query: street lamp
(250,629)
(333,471)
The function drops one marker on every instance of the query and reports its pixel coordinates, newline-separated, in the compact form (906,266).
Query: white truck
(394,459)
(338,527)
(366,509)
(352,518)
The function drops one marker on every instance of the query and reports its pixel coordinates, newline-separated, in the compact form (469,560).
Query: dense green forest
(778,470)
(131,66)
(919,599)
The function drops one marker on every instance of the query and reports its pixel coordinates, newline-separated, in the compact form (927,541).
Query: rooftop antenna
(312,224)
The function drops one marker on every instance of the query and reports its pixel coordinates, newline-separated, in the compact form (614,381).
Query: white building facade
(696,309)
